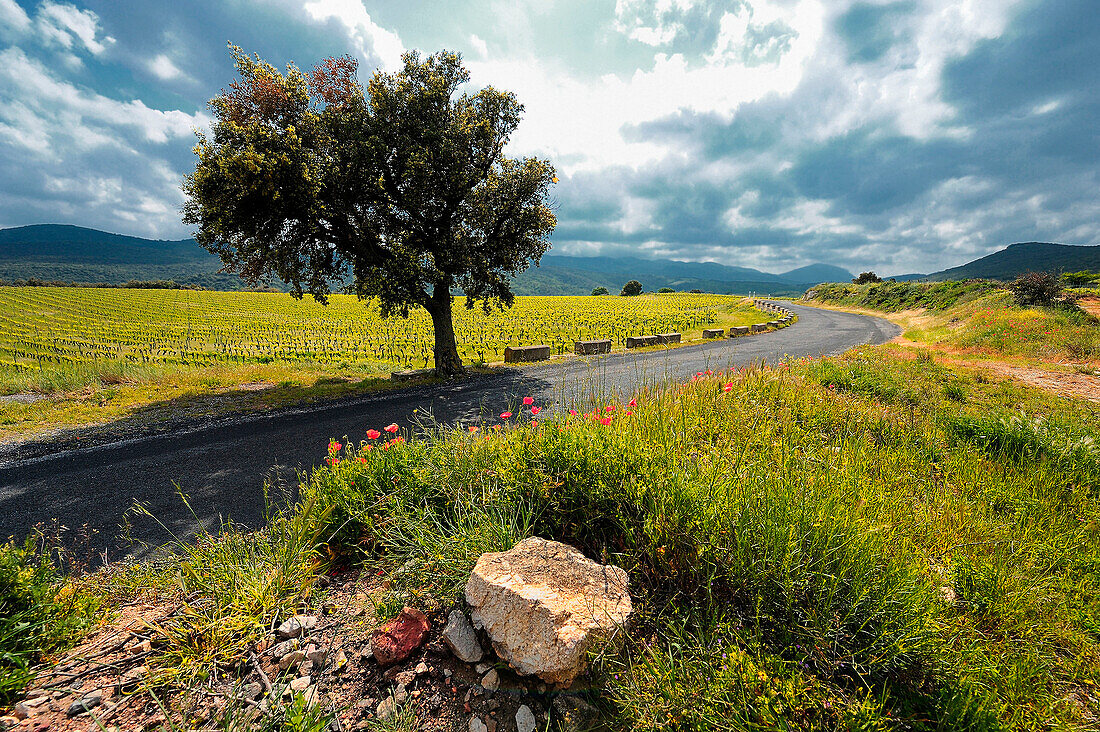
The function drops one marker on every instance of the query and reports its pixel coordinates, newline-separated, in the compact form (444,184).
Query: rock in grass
(460,637)
(544,604)
(292,627)
(386,710)
(86,703)
(574,714)
(31,706)
(525,719)
(398,638)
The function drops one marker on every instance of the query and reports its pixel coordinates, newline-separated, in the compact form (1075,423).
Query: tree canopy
(632,288)
(399,192)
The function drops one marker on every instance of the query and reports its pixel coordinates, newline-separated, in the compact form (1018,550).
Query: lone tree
(600,291)
(867,278)
(631,288)
(402,190)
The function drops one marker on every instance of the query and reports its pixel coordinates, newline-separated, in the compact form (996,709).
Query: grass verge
(858,543)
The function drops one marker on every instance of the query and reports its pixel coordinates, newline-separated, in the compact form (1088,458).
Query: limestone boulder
(544,604)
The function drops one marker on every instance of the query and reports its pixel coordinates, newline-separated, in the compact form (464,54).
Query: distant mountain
(1018,259)
(75,254)
(814,274)
(567,275)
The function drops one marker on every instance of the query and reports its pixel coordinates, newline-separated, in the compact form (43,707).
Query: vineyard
(56,326)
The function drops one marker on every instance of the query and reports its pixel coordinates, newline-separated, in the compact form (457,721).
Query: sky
(901,136)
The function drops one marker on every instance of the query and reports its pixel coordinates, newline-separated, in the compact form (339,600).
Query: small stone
(476,725)
(460,637)
(144,646)
(421,669)
(281,649)
(447,673)
(367,654)
(294,626)
(86,703)
(396,640)
(291,659)
(525,719)
(316,655)
(339,661)
(30,706)
(405,678)
(386,710)
(301,683)
(947,594)
(252,691)
(400,693)
(435,703)
(482,668)
(132,678)
(574,714)
(491,680)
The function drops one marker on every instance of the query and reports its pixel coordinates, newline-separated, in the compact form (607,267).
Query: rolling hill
(54,252)
(1017,259)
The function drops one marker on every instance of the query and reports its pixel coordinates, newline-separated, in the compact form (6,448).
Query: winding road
(222,468)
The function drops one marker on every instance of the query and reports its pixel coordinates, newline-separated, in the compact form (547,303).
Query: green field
(41,327)
(82,356)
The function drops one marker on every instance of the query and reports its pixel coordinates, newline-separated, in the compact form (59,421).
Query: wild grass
(978,317)
(39,612)
(857,543)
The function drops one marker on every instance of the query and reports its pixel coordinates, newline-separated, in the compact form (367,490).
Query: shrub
(38,613)
(631,288)
(665,290)
(866,278)
(1036,288)
(600,291)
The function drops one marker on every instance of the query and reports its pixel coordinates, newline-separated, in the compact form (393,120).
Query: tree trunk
(447,361)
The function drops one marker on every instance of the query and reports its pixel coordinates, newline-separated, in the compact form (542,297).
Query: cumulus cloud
(899,135)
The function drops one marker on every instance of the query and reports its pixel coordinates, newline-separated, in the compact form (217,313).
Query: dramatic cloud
(899,135)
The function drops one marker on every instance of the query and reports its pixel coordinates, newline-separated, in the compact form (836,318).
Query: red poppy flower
(534,423)
(473,428)
(505,415)
(605,421)
(609,408)
(573,412)
(628,413)
(334,447)
(528,401)
(391,428)
(535,410)
(632,403)
(728,387)
(373,434)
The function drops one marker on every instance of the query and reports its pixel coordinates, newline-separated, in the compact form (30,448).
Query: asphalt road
(222,468)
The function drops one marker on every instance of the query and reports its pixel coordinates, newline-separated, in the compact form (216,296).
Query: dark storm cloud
(871,30)
(1017,158)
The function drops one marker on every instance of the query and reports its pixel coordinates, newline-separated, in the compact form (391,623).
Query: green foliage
(894,296)
(404,187)
(790,537)
(39,613)
(1035,288)
(1084,278)
(600,291)
(632,288)
(866,277)
(665,290)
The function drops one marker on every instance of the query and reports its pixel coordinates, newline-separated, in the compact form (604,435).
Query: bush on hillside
(631,289)
(894,296)
(665,290)
(37,613)
(866,277)
(1036,288)
(600,291)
